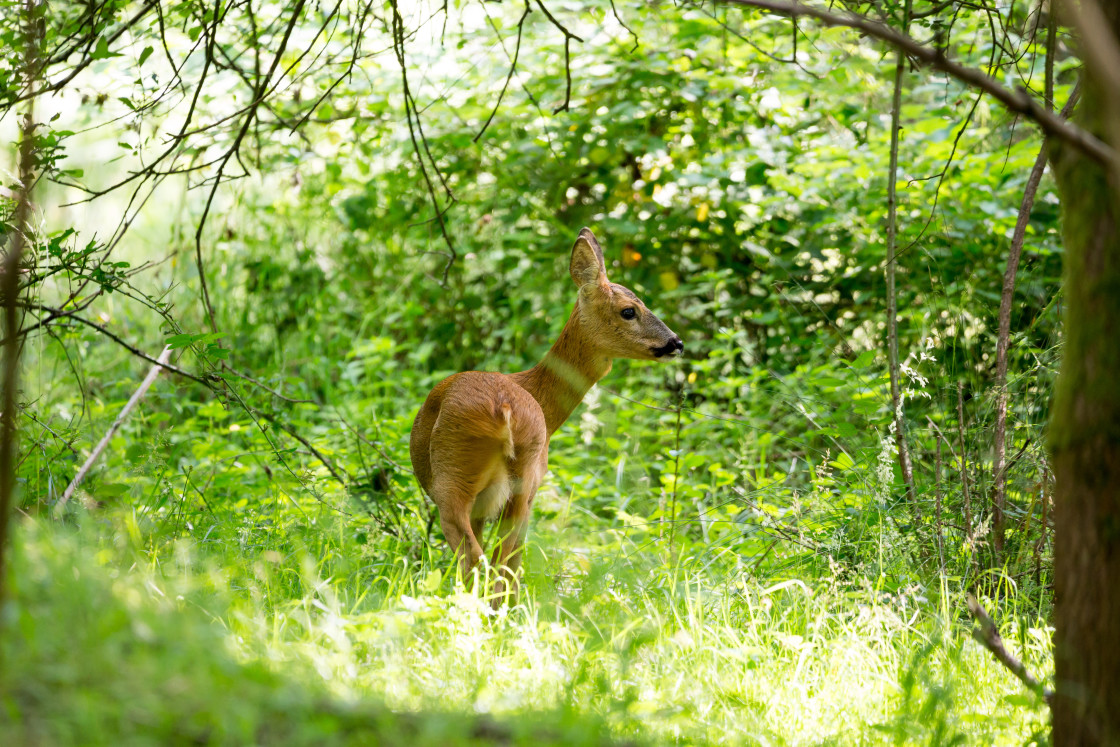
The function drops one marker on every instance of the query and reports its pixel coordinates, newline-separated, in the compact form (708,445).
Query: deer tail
(505,433)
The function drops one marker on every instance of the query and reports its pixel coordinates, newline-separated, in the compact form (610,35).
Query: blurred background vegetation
(324,210)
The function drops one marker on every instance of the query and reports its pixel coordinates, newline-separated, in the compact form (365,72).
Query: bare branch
(209,384)
(622,23)
(410,111)
(266,387)
(334,470)
(987,635)
(1017,101)
(87,60)
(233,150)
(512,70)
(568,36)
(940,176)
(121,417)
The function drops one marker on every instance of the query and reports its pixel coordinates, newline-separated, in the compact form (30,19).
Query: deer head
(611,316)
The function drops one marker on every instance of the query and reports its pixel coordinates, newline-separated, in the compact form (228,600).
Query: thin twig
(87,58)
(209,384)
(410,110)
(375,446)
(1003,338)
(67,442)
(622,23)
(266,387)
(676,471)
(331,467)
(940,177)
(512,70)
(961,458)
(568,36)
(892,297)
(937,506)
(258,97)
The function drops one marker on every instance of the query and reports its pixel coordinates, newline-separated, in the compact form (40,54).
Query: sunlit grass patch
(99,650)
(639,647)
(679,651)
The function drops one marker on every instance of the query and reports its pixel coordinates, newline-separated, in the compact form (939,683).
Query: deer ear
(587,260)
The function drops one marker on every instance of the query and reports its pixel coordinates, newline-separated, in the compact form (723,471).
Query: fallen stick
(121,417)
(987,635)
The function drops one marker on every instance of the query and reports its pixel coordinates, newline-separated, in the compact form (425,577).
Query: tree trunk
(9,287)
(1085,437)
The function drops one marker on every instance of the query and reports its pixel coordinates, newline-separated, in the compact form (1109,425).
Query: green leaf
(865,359)
(111,490)
(431,582)
(135,452)
(101,50)
(144,56)
(866,406)
(179,341)
(213,409)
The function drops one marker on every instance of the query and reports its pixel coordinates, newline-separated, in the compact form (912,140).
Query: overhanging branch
(1015,100)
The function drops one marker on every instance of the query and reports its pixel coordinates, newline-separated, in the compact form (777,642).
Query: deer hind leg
(477,525)
(513,526)
(455,520)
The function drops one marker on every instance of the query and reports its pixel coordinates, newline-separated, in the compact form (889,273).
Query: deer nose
(674,347)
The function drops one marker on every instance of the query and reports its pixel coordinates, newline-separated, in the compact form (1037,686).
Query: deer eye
(629,313)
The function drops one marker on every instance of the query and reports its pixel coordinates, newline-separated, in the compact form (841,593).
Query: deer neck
(568,371)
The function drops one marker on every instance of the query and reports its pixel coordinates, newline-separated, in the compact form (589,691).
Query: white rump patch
(492,499)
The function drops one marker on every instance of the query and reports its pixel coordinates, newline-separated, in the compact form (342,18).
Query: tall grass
(114,640)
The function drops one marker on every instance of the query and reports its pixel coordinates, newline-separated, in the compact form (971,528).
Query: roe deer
(479,444)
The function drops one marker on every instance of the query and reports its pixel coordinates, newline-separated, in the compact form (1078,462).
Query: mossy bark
(1085,441)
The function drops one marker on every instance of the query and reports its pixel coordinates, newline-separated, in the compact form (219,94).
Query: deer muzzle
(672,348)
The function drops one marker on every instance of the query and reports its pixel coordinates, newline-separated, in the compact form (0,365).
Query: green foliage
(722,551)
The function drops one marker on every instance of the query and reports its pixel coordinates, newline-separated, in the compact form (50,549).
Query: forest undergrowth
(616,638)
